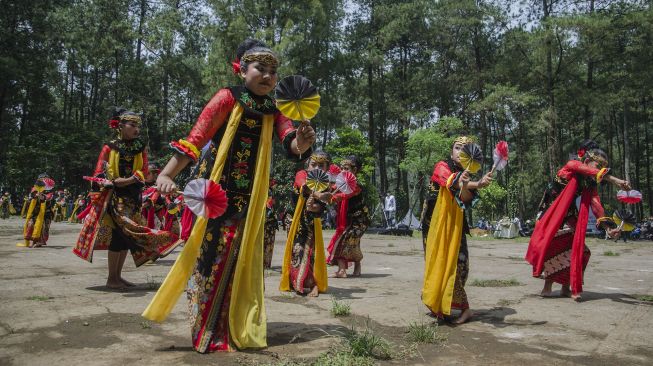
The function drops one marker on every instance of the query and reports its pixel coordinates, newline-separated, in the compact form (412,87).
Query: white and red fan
(49,183)
(205,198)
(101,181)
(630,197)
(500,156)
(333,172)
(345,182)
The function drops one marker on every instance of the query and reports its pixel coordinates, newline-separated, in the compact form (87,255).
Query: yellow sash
(247,320)
(30,210)
(319,267)
(38,225)
(442,246)
(114,160)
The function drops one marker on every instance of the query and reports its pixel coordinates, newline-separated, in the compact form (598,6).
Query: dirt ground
(54,309)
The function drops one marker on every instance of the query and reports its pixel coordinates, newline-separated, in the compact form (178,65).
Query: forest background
(397,79)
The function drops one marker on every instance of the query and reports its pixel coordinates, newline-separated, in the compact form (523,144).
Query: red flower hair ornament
(236,66)
(114,123)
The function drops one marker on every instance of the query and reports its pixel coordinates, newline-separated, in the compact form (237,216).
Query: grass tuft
(648,298)
(609,253)
(495,283)
(368,344)
(425,333)
(340,308)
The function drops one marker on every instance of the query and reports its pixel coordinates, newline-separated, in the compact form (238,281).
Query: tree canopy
(542,75)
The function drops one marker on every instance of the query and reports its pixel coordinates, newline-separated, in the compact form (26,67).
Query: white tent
(410,220)
(506,229)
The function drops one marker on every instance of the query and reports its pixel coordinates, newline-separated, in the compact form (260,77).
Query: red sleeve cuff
(185,148)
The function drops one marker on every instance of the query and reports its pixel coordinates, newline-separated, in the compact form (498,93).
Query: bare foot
(357,269)
(314,292)
(464,317)
(339,274)
(115,285)
(577,298)
(127,283)
(546,293)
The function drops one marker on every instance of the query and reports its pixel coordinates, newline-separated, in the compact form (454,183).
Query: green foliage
(491,199)
(368,344)
(609,253)
(425,333)
(340,308)
(429,145)
(395,72)
(495,283)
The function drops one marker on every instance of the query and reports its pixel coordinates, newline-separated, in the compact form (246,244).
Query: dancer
(225,254)
(36,230)
(59,207)
(304,265)
(557,249)
(352,221)
(6,207)
(80,206)
(114,222)
(447,260)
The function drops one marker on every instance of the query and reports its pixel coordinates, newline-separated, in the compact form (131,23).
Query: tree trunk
(141,23)
(647,144)
(626,144)
(587,112)
(371,132)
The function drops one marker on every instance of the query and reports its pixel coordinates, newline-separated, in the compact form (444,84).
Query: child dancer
(352,220)
(447,260)
(224,256)
(304,264)
(557,249)
(114,222)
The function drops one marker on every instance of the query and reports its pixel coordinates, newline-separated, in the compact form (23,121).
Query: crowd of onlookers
(643,230)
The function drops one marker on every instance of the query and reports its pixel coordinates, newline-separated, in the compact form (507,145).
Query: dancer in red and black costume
(557,249)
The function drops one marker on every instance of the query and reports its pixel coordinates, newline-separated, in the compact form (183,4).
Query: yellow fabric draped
(22,210)
(247,320)
(442,247)
(287,254)
(114,160)
(319,267)
(166,297)
(74,213)
(30,210)
(40,219)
